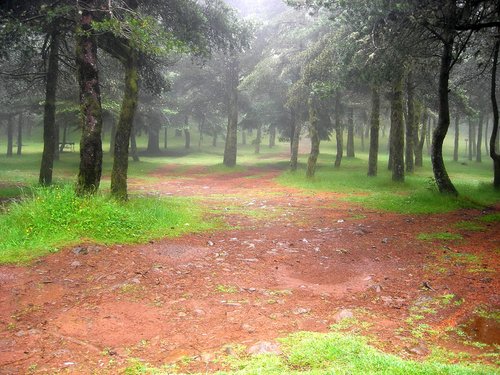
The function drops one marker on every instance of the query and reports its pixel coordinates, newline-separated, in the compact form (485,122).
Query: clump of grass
(470,226)
(440,236)
(490,218)
(227,289)
(49,218)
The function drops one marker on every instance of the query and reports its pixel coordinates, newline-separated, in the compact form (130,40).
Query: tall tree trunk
(397,129)
(272,135)
(494,151)
(231,146)
(89,176)
(243,137)
(390,161)
(20,134)
(470,139)
(187,138)
(214,139)
(443,181)
(457,138)
(473,140)
(339,136)
(486,145)
(374,132)
(133,144)
(165,137)
(419,149)
(479,138)
(153,139)
(124,127)
(410,124)
(10,135)
(258,139)
(295,144)
(350,133)
(49,114)
(112,137)
(201,126)
(315,140)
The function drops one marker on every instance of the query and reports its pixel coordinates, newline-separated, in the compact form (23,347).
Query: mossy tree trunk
(315,139)
(49,112)
(124,127)
(89,175)
(397,129)
(339,133)
(374,132)
(231,146)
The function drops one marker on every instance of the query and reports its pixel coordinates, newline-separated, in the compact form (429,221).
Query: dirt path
(295,262)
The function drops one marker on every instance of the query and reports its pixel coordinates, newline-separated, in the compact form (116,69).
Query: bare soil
(292,261)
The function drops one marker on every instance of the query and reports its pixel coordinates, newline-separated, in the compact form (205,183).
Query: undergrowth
(49,218)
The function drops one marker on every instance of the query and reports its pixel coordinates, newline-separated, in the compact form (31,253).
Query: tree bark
(49,114)
(153,138)
(231,146)
(350,133)
(187,138)
(374,132)
(133,145)
(479,138)
(470,140)
(124,128)
(272,135)
(10,135)
(315,140)
(486,126)
(397,130)
(295,144)
(494,152)
(20,134)
(90,171)
(214,139)
(338,131)
(410,124)
(258,139)
(443,181)
(457,138)
(419,148)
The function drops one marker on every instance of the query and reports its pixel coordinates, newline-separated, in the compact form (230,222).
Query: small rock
(385,240)
(80,250)
(264,347)
(248,328)
(377,288)
(75,264)
(210,243)
(199,312)
(301,311)
(420,349)
(340,221)
(343,314)
(181,314)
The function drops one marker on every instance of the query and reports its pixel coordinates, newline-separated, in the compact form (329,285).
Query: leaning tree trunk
(339,136)
(443,181)
(456,144)
(89,176)
(314,134)
(124,128)
(231,146)
(494,152)
(397,130)
(479,138)
(374,132)
(49,114)
(350,133)
(410,124)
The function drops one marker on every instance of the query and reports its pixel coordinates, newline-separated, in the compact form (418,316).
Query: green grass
(331,353)
(417,195)
(472,226)
(49,218)
(490,218)
(439,236)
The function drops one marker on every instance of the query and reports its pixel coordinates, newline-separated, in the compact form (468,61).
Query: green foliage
(50,218)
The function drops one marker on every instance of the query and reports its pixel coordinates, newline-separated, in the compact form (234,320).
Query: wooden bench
(67,146)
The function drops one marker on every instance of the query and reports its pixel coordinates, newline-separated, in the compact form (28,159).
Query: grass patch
(417,195)
(490,218)
(49,218)
(470,226)
(439,236)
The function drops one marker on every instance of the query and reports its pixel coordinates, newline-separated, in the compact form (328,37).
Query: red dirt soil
(292,263)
